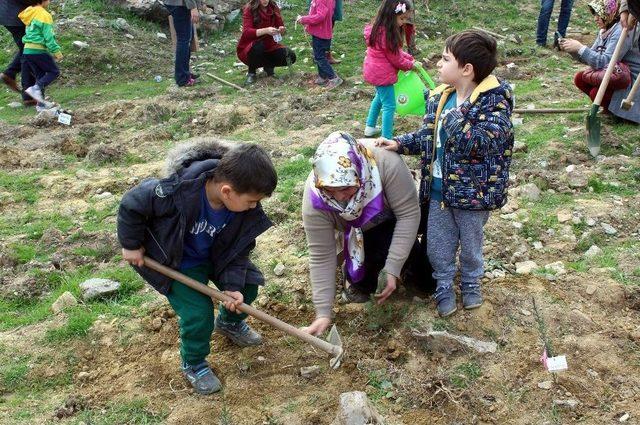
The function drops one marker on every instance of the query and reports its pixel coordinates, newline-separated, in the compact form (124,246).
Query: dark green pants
(196,315)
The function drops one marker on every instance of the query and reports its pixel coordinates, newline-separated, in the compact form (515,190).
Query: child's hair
(248,169)
(477,48)
(254,6)
(386,18)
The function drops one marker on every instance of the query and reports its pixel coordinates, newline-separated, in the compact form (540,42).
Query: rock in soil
(310,372)
(356,409)
(570,403)
(65,300)
(526,267)
(97,287)
(445,341)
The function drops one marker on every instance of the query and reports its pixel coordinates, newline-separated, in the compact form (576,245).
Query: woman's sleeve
(321,242)
(401,194)
(598,60)
(248,31)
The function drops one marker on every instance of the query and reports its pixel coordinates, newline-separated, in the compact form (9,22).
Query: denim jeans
(386,100)
(320,48)
(184,33)
(43,67)
(546,7)
(15,67)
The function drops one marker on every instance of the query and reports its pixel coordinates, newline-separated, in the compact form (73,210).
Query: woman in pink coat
(382,61)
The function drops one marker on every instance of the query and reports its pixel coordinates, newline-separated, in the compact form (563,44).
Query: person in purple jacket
(9,10)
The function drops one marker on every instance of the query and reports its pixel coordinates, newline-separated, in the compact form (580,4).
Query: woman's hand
(298,18)
(237,300)
(281,30)
(195,16)
(387,144)
(135,257)
(570,45)
(392,283)
(318,326)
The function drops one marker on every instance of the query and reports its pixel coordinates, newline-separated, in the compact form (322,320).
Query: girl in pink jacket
(318,24)
(382,61)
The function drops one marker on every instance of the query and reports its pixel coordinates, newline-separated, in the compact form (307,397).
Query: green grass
(465,374)
(381,384)
(20,188)
(78,324)
(130,412)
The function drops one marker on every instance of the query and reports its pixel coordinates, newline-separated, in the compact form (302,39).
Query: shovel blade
(335,339)
(593,131)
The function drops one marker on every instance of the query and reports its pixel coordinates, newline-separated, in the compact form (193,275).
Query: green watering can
(409,91)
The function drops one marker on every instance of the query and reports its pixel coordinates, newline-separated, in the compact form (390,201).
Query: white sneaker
(371,131)
(334,82)
(35,92)
(44,105)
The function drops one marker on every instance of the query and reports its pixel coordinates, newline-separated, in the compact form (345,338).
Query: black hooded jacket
(157,213)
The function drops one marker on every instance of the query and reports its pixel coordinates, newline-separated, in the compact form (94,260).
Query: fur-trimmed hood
(194,150)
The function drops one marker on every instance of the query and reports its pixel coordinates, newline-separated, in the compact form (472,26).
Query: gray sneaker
(445,300)
(352,294)
(201,378)
(471,296)
(334,82)
(239,333)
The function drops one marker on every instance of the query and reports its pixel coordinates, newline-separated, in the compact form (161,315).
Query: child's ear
(225,190)
(467,70)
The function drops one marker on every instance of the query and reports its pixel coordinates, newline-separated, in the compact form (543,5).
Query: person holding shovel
(365,196)
(629,14)
(9,10)
(259,45)
(202,219)
(598,56)
(185,15)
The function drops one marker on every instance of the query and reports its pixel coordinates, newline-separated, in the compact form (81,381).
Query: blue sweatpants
(42,67)
(385,99)
(320,48)
(449,229)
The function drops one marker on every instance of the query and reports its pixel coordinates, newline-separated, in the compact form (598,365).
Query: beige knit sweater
(400,200)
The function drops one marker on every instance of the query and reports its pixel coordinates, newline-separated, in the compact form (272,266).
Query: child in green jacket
(39,46)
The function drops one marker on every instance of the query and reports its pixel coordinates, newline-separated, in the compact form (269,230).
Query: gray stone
(590,222)
(545,385)
(557,267)
(310,372)
(233,15)
(591,289)
(65,300)
(356,409)
(593,251)
(161,36)
(537,245)
(564,216)
(83,376)
(122,25)
(97,287)
(569,403)
(530,191)
(624,417)
(608,229)
(80,44)
(14,105)
(577,180)
(519,146)
(526,267)
(278,270)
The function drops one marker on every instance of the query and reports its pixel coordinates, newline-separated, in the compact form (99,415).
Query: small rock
(525,312)
(129,36)
(103,195)
(530,191)
(83,376)
(608,229)
(624,417)
(592,373)
(161,35)
(519,146)
(557,267)
(526,267)
(590,222)
(65,300)
(498,274)
(568,403)
(261,358)
(537,245)
(545,385)
(564,216)
(356,409)
(571,168)
(80,44)
(577,180)
(278,270)
(156,324)
(298,157)
(448,342)
(14,105)
(310,372)
(97,287)
(591,289)
(121,24)
(593,251)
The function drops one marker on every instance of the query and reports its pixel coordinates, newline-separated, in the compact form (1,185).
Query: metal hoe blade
(335,339)
(593,131)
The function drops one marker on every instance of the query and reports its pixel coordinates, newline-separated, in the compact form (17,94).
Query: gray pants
(448,229)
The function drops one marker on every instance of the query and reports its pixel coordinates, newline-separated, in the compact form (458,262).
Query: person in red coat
(259,45)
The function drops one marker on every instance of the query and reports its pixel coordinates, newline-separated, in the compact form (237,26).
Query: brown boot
(331,59)
(29,102)
(9,82)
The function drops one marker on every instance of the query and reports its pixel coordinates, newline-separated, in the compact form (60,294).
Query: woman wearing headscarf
(598,56)
(367,197)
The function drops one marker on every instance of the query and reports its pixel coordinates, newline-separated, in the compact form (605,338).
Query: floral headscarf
(607,10)
(340,161)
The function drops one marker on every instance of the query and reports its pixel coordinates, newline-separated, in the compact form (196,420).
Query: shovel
(593,120)
(332,346)
(627,103)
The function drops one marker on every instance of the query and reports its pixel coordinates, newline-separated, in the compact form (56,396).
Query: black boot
(251,78)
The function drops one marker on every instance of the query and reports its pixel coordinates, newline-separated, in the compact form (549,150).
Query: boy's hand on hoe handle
(387,144)
(238,300)
(318,326)
(195,16)
(135,257)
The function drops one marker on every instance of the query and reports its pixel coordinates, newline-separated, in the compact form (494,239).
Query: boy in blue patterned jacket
(466,143)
